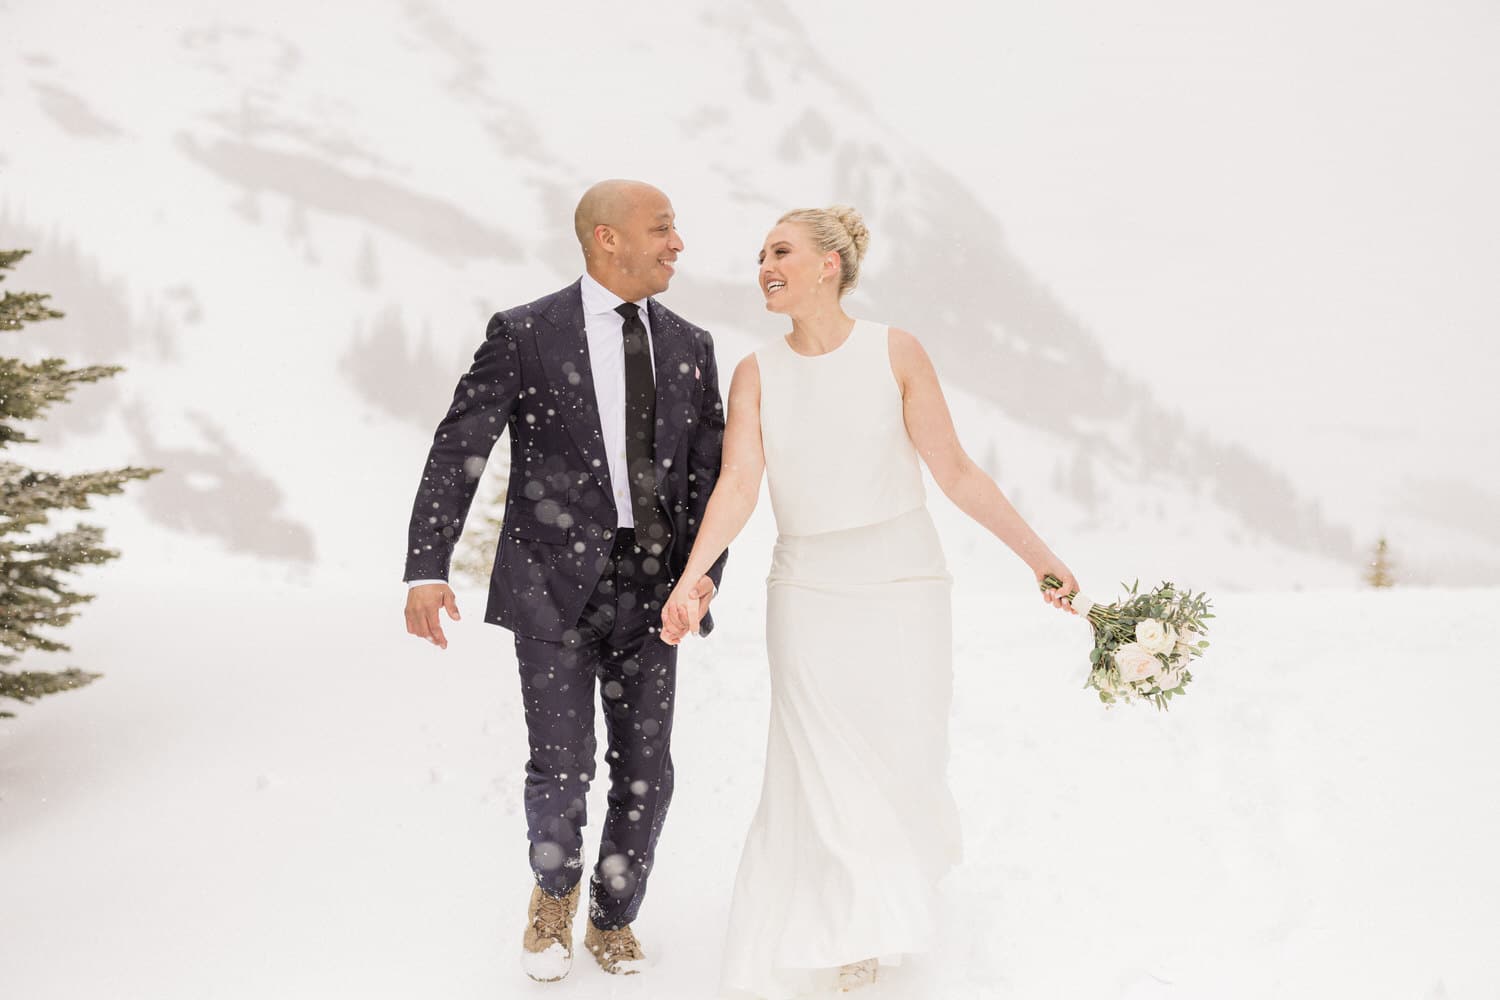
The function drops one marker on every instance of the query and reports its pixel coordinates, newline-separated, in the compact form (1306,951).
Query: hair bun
(854,223)
(838,229)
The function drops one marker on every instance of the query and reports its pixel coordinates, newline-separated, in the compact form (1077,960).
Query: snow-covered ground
(275,793)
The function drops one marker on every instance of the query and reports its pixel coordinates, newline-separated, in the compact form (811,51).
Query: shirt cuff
(417,583)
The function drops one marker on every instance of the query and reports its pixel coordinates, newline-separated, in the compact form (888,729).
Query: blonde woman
(856,823)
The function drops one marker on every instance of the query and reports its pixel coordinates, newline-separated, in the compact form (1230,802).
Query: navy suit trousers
(616,647)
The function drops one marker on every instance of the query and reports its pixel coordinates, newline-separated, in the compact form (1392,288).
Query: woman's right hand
(679,614)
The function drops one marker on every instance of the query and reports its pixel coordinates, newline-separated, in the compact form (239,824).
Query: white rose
(1155,635)
(1136,662)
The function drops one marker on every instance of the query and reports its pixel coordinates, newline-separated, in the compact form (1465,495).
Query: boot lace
(621,945)
(551,916)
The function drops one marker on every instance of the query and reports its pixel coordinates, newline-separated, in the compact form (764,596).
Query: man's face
(646,246)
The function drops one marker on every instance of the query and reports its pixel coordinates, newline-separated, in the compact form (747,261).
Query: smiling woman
(837,230)
(856,823)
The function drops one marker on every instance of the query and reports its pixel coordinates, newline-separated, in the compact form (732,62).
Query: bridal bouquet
(1143,644)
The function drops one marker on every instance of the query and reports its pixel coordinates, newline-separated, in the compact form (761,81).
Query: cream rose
(1156,636)
(1136,662)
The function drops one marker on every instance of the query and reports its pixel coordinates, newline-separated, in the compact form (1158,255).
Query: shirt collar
(598,300)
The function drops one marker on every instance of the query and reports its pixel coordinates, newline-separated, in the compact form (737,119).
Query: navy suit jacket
(532,376)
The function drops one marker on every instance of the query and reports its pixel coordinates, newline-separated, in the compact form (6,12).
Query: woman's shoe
(857,974)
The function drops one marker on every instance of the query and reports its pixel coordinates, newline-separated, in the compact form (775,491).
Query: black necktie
(640,433)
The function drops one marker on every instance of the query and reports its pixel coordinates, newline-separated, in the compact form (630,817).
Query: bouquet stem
(1104,618)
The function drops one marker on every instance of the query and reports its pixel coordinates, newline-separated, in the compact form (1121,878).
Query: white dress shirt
(605,330)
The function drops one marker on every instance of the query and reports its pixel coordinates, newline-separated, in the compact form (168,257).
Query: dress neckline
(814,357)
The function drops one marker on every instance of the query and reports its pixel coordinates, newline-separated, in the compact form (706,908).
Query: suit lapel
(675,375)
(564,351)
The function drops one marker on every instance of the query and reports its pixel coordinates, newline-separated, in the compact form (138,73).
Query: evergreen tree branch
(28,685)
(28,389)
(27,496)
(19,308)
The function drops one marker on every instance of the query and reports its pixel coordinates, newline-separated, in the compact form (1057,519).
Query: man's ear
(604,237)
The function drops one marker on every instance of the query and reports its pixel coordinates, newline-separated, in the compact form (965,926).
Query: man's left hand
(683,612)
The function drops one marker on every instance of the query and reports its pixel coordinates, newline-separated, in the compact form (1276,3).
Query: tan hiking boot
(547,948)
(617,952)
(857,974)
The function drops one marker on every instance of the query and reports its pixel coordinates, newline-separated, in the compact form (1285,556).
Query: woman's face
(790,269)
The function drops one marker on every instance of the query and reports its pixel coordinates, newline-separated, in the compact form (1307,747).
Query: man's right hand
(422,606)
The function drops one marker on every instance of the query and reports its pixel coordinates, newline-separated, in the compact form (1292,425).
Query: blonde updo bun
(837,229)
(854,225)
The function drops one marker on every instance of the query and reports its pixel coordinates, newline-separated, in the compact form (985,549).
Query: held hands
(422,604)
(1058,597)
(685,608)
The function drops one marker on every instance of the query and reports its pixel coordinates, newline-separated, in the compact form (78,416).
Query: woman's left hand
(1062,597)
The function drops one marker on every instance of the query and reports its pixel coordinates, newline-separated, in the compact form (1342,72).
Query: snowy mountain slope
(291,226)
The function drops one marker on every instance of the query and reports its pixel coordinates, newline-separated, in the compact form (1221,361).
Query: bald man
(616,428)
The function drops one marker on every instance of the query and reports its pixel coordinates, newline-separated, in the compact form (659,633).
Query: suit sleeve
(705,455)
(483,404)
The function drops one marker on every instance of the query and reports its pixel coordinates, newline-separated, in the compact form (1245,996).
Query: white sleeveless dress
(856,822)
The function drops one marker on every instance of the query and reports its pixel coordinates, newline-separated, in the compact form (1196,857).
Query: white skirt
(856,822)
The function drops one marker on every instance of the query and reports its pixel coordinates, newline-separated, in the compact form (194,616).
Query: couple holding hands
(627,484)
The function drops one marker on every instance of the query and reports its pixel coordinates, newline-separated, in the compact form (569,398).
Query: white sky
(1298,200)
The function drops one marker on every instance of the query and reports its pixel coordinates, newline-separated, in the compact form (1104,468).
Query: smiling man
(616,428)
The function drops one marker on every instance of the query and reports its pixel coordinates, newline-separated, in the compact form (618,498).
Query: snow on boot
(617,952)
(547,948)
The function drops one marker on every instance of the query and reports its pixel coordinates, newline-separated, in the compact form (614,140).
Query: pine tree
(34,593)
(1380,574)
(474,556)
